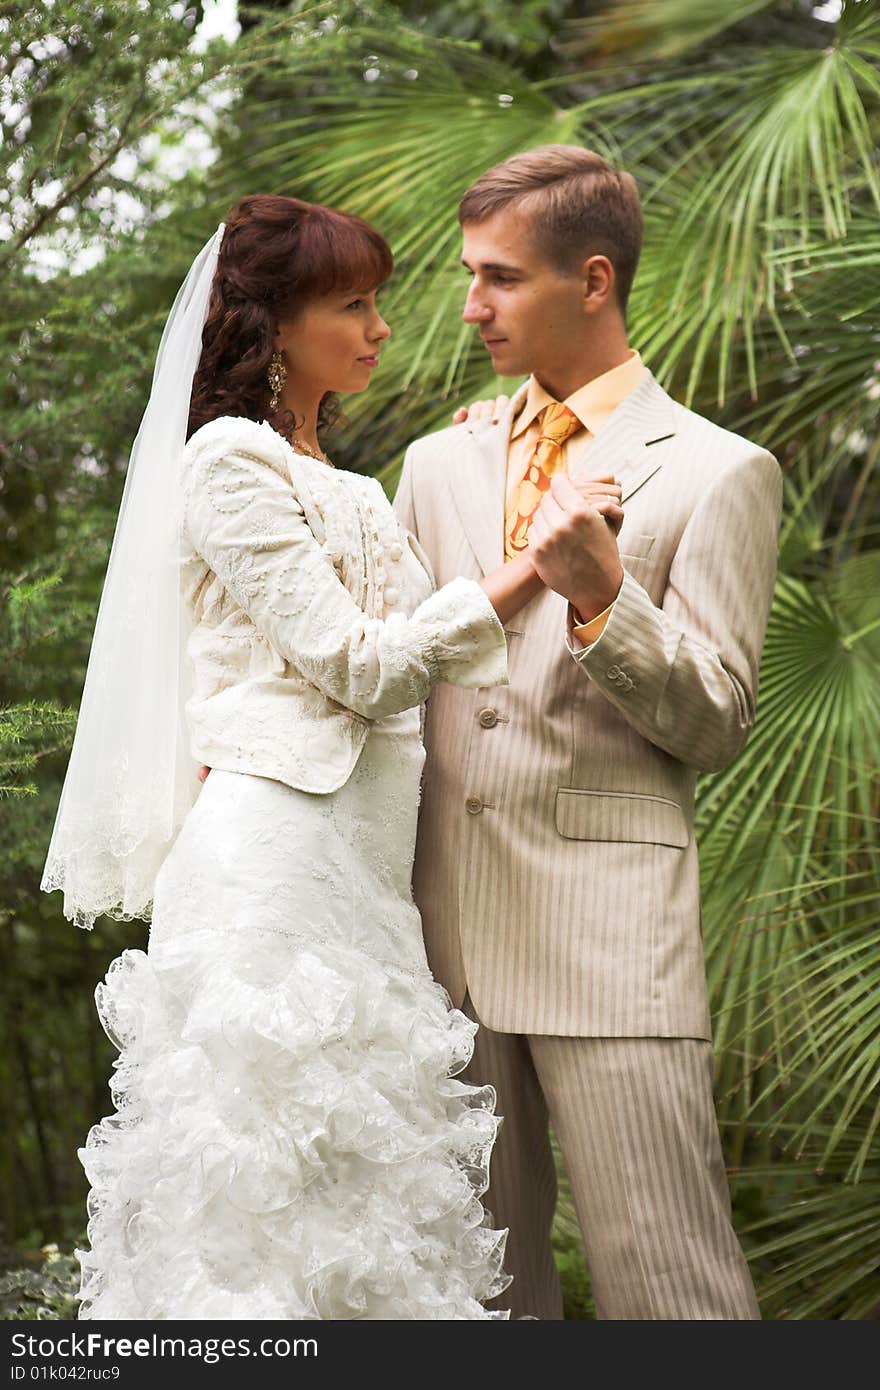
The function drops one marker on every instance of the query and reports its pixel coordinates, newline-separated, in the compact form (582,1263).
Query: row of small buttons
(388,592)
(392,593)
(487,718)
(622,679)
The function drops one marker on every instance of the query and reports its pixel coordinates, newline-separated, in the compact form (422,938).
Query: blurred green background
(752,128)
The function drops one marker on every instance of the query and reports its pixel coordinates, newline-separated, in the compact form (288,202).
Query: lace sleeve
(244,519)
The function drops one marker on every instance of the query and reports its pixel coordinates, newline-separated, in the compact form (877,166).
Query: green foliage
(36,728)
(43,1291)
(79,93)
(568,1250)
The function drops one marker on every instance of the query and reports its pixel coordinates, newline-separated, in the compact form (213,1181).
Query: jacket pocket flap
(635,543)
(621,816)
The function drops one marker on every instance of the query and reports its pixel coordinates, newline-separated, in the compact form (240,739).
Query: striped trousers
(636,1124)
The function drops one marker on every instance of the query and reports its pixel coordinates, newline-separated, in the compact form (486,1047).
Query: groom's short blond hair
(577,204)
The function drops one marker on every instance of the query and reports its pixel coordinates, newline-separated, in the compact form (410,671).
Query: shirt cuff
(590,632)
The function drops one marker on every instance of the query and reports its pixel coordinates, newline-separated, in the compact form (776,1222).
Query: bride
(289,1140)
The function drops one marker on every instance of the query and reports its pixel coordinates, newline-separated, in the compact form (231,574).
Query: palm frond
(815,1250)
(660,29)
(787,836)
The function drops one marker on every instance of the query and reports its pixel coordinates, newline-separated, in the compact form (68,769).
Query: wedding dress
(290,1140)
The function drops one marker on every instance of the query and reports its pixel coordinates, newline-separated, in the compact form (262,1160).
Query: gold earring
(277,375)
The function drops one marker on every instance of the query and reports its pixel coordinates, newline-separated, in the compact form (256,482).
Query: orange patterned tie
(557,424)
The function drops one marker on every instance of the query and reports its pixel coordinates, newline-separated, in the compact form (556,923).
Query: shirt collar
(592,403)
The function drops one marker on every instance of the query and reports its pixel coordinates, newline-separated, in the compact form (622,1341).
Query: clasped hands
(573,541)
(573,534)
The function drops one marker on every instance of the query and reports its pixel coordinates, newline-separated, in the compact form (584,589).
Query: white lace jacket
(313,611)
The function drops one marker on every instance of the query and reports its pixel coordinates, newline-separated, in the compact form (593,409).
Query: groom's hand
(481,410)
(574,548)
(203,773)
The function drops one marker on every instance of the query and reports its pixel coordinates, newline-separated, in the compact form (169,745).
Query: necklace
(312,453)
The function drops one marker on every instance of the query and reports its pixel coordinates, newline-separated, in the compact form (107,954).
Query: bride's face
(333,344)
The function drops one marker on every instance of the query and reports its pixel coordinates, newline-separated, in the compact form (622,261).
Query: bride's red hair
(277,254)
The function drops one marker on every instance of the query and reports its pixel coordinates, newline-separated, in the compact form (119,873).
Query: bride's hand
(481,410)
(603,493)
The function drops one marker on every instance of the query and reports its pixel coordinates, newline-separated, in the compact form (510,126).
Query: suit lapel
(477,477)
(633,444)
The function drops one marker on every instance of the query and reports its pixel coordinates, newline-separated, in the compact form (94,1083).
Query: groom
(556,868)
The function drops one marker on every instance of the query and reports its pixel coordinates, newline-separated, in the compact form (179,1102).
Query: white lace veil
(131,780)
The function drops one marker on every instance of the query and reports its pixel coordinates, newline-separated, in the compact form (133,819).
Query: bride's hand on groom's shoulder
(490,411)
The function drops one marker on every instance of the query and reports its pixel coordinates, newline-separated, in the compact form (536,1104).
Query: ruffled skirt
(290,1141)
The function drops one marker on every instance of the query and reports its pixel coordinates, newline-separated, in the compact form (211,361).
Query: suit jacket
(312,614)
(556,868)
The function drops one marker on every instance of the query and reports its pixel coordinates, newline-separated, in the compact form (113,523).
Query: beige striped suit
(556,868)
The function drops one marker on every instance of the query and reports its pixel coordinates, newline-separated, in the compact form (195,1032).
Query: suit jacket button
(473,805)
(488,718)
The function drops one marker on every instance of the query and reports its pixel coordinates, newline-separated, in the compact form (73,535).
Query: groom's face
(529,312)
